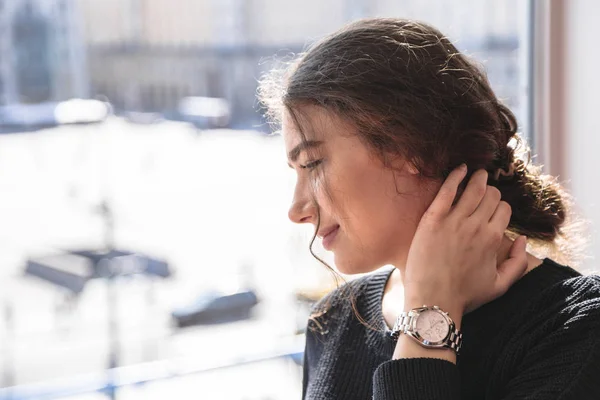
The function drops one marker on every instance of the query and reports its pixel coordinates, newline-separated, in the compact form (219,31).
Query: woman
(405,157)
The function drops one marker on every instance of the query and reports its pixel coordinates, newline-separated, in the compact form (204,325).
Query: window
(214,203)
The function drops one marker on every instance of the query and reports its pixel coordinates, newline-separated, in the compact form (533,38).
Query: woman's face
(372,210)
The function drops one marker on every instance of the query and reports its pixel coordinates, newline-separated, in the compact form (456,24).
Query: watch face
(432,326)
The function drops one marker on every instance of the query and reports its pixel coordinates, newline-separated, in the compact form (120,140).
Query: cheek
(331,193)
(387,219)
(320,190)
(352,189)
(394,221)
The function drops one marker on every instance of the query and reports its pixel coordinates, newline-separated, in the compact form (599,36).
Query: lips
(324,232)
(330,237)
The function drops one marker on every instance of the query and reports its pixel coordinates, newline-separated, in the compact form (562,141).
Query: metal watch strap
(404,324)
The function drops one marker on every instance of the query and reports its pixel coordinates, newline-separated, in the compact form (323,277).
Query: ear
(400,163)
(410,167)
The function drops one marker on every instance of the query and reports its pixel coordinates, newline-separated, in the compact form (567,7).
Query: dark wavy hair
(410,92)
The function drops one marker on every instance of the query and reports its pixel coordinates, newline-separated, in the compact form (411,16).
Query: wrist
(454,310)
(407,348)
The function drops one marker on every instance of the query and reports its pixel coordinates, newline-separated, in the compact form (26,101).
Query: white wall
(582,112)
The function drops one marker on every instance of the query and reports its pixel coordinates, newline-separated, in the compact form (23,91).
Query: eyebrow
(309,144)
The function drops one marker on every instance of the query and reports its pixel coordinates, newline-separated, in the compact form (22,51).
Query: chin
(354,265)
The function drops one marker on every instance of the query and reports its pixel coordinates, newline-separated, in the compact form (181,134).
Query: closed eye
(311,165)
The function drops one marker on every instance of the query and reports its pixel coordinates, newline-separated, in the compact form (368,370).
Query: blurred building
(145,55)
(42,54)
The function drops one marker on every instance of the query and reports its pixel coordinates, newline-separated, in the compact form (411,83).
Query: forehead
(313,122)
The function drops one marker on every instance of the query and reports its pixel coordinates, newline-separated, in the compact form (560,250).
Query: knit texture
(538,341)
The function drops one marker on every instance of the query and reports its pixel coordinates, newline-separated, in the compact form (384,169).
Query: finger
(488,205)
(501,217)
(473,194)
(514,267)
(442,202)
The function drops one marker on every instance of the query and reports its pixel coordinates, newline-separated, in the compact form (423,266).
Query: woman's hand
(452,261)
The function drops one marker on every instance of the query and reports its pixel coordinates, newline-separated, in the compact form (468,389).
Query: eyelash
(312,164)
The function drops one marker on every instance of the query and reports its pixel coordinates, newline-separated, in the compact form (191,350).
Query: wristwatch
(429,326)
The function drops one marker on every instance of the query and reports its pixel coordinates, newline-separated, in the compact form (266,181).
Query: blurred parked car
(73,268)
(205,112)
(23,117)
(143,118)
(17,117)
(213,307)
(81,111)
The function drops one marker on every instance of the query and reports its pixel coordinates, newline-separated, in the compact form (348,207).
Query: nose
(303,208)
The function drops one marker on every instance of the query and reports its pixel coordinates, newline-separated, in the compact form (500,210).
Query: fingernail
(463,166)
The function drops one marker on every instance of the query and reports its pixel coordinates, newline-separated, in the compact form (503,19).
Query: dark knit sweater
(541,340)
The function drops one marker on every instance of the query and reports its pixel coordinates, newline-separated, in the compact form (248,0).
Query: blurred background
(145,250)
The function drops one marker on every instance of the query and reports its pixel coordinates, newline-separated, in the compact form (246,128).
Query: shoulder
(567,307)
(540,336)
(561,340)
(571,290)
(554,350)
(552,301)
(576,299)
